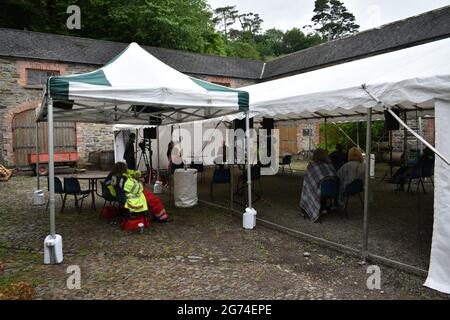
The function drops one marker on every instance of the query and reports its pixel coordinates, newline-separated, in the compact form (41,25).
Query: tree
(332,19)
(250,25)
(225,17)
(175,24)
(244,50)
(269,44)
(295,40)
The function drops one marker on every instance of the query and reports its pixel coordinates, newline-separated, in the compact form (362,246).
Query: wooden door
(288,140)
(24,137)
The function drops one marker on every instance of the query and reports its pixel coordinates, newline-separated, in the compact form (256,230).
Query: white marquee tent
(416,79)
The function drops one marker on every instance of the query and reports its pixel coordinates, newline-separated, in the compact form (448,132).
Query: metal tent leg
(53,253)
(365,247)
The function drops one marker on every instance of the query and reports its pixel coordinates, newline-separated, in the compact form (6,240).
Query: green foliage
(175,24)
(178,24)
(243,49)
(334,135)
(332,19)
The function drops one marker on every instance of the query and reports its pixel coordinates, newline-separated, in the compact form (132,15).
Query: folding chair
(425,171)
(72,187)
(286,161)
(58,190)
(356,187)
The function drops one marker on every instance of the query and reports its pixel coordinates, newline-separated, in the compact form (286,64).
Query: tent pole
(51,167)
(357,133)
(421,133)
(405,141)
(365,251)
(249,174)
(157,152)
(38,182)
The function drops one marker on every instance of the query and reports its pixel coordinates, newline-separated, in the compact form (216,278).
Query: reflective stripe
(135,207)
(133,196)
(161,213)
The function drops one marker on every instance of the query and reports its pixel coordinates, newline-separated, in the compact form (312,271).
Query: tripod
(147,160)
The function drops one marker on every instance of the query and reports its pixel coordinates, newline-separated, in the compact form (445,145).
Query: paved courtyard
(203,254)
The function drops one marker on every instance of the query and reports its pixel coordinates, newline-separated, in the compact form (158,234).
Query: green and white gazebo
(133,88)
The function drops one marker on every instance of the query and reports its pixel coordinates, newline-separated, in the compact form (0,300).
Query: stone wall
(16,96)
(427,132)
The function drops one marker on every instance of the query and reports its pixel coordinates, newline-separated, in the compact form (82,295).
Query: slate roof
(429,26)
(59,48)
(426,27)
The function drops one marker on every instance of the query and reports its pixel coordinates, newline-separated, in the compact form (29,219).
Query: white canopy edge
(410,78)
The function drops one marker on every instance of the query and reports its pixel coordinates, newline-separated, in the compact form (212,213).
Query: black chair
(426,170)
(58,190)
(255,174)
(106,194)
(356,187)
(221,175)
(72,187)
(329,191)
(286,161)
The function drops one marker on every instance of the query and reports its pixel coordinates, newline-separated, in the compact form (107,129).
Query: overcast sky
(286,14)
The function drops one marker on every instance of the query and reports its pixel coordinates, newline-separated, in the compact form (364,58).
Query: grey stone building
(28,58)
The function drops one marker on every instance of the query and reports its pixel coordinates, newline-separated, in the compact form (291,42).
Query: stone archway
(7,128)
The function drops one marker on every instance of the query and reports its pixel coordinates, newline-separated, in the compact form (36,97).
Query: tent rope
(386,107)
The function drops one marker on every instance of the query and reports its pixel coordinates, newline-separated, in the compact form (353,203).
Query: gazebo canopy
(137,88)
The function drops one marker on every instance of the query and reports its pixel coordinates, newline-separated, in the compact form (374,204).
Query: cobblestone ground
(203,254)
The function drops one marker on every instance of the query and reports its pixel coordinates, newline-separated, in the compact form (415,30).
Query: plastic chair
(356,187)
(58,190)
(286,161)
(221,175)
(72,187)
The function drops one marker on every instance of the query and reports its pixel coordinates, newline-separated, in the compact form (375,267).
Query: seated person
(123,184)
(122,179)
(353,169)
(338,157)
(405,172)
(320,167)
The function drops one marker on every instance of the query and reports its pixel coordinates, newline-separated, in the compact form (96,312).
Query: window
(307,132)
(39,77)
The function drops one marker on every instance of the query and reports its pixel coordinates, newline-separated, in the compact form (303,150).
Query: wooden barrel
(94,159)
(397,158)
(106,160)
